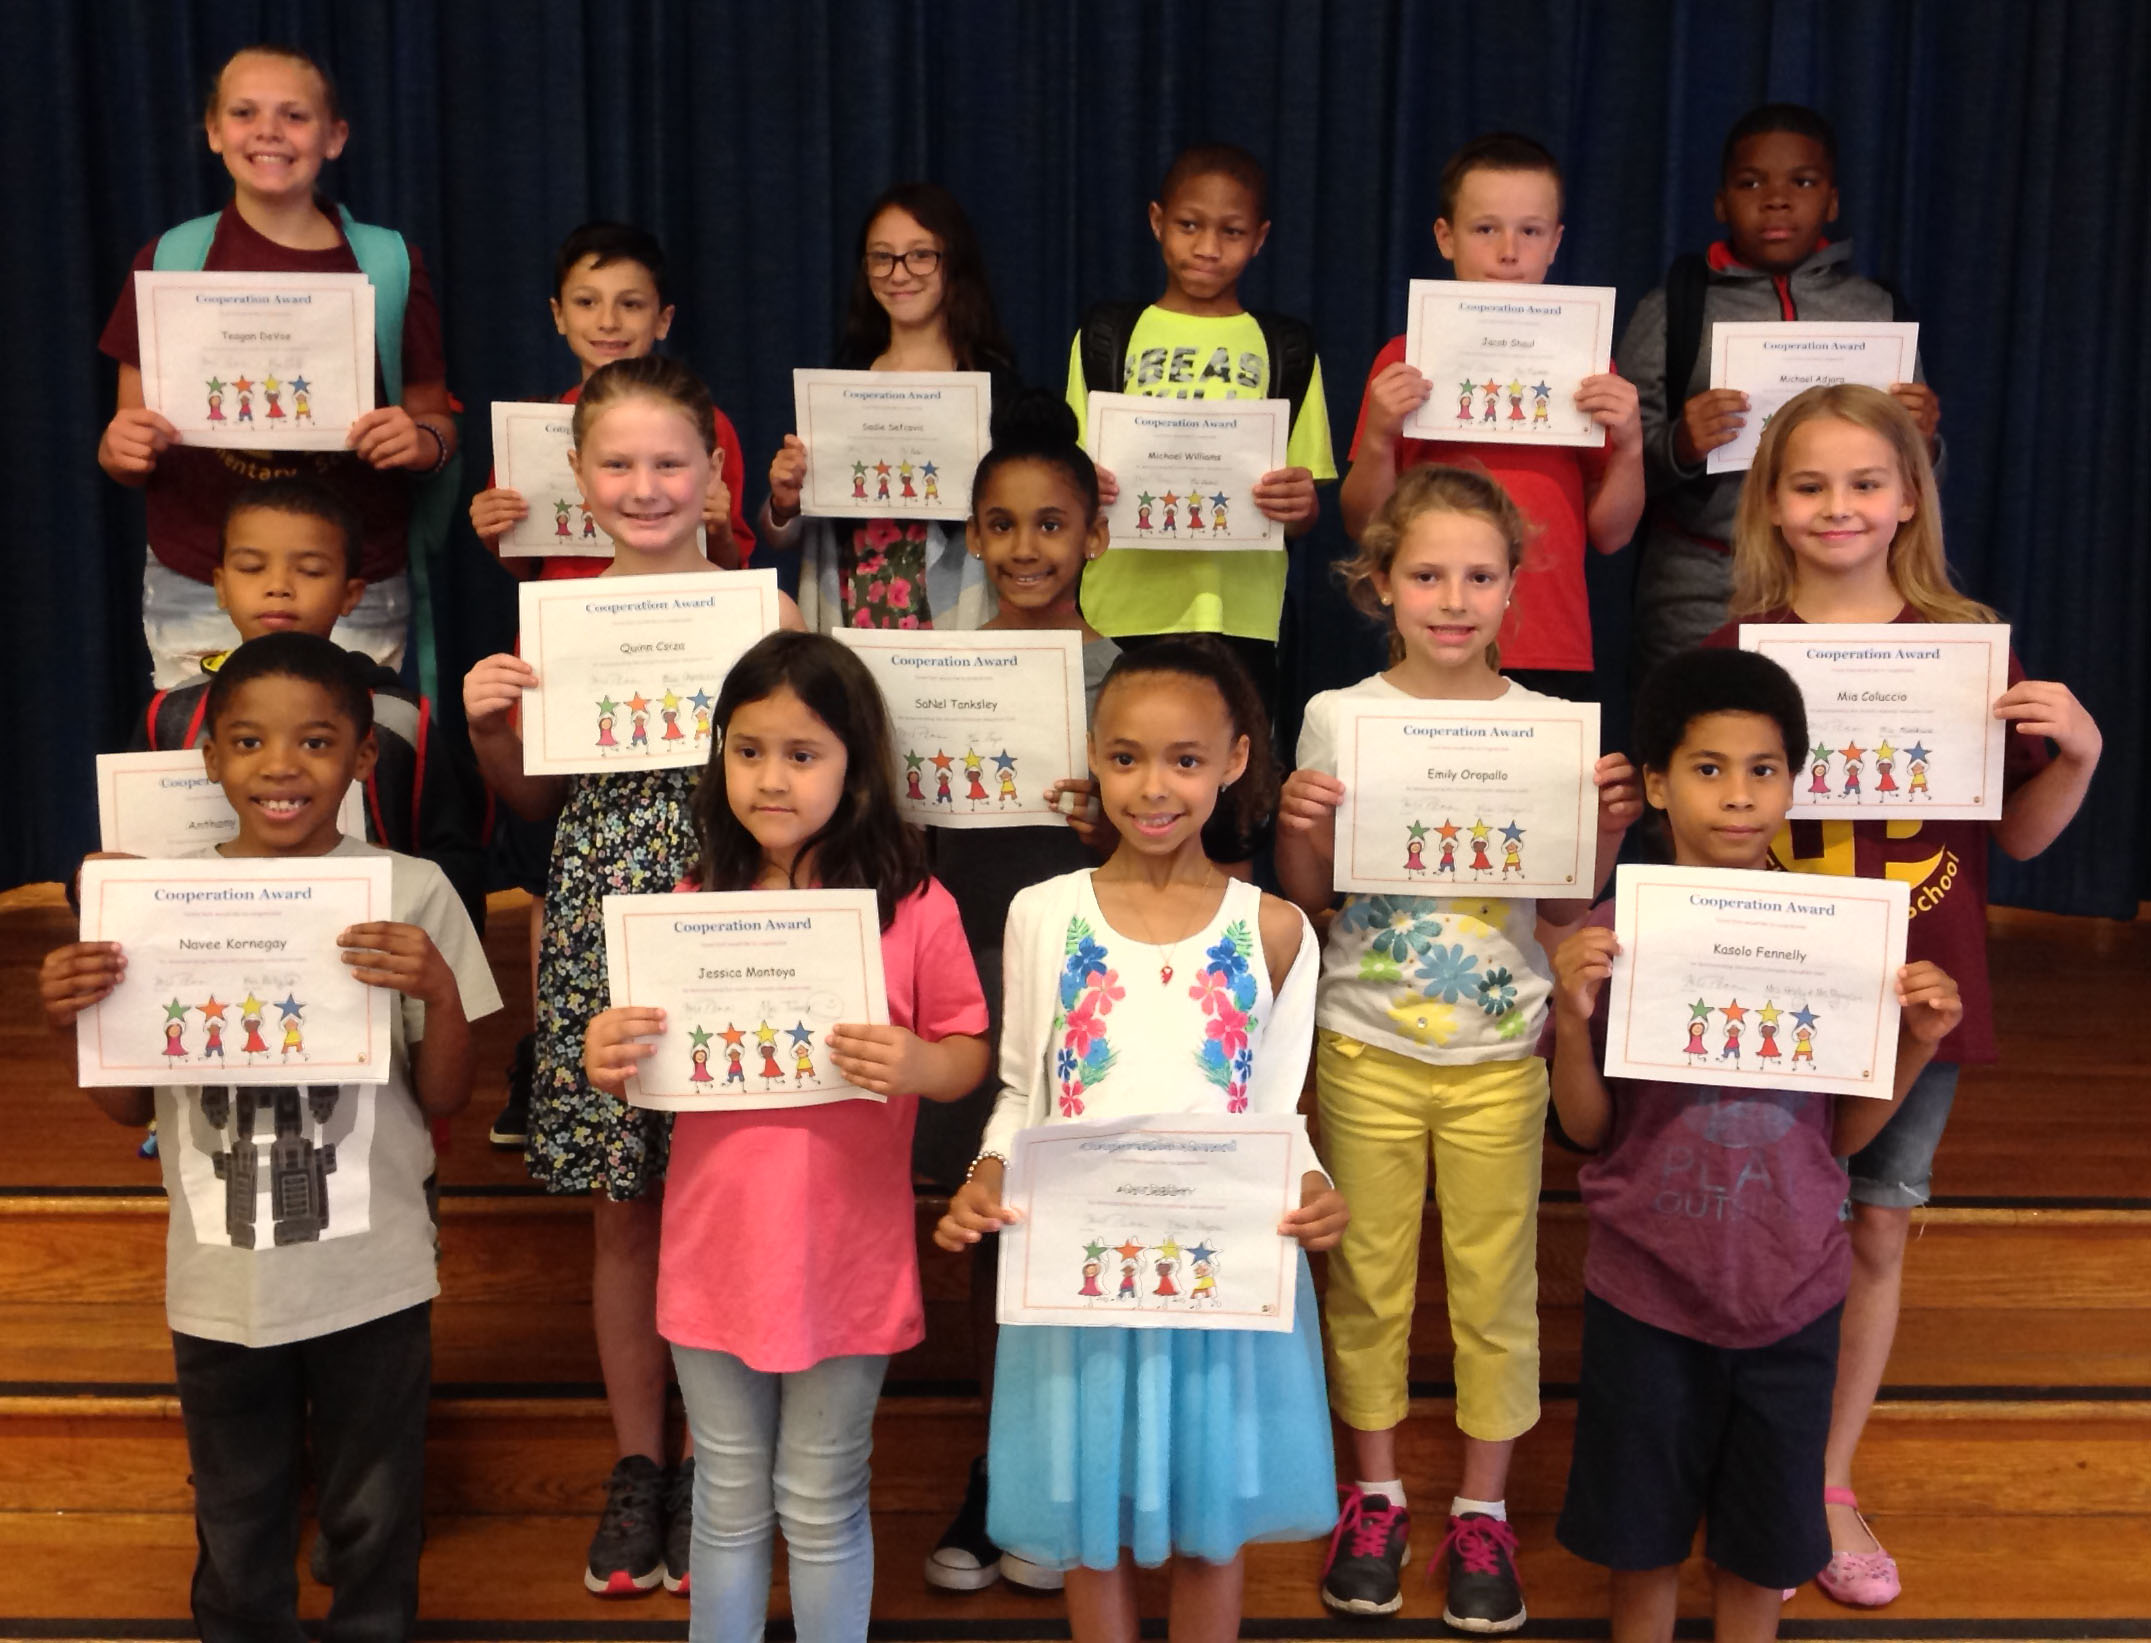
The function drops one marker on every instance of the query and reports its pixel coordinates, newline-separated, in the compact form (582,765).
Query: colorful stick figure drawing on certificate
(1767,1053)
(1415,848)
(1004,764)
(1512,849)
(912,776)
(1735,1015)
(1916,769)
(1803,1056)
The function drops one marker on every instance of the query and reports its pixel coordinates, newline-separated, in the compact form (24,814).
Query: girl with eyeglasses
(919,302)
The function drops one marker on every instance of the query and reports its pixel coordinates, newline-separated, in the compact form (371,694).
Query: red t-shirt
(192,486)
(1945,862)
(564,567)
(1549,624)
(1714,1212)
(790,1233)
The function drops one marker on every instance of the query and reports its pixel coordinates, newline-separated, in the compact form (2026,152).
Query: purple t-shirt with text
(1714,1212)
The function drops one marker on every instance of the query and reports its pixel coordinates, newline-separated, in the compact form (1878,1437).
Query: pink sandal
(1864,1580)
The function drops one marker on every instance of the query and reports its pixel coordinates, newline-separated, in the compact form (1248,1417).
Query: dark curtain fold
(1996,166)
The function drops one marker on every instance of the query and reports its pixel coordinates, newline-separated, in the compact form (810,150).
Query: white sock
(1498,1510)
(1391,1491)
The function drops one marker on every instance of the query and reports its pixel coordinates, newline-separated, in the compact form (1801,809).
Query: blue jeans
(1896,1169)
(789,1449)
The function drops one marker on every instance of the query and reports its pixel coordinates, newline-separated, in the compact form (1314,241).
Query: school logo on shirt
(1827,848)
(1185,373)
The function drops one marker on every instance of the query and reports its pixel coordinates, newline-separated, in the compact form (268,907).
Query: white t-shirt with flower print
(1452,979)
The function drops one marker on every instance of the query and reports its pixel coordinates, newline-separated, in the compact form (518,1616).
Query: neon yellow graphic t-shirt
(1192,590)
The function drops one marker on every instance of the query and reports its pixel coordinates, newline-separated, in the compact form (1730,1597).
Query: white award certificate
(530,456)
(1167,1222)
(1777,980)
(233,972)
(1187,468)
(983,722)
(891,444)
(1771,362)
(164,804)
(629,667)
(1447,798)
(262,362)
(1901,716)
(1506,360)
(750,983)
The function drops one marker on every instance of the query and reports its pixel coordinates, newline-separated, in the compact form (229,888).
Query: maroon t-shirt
(1945,863)
(1714,1212)
(191,486)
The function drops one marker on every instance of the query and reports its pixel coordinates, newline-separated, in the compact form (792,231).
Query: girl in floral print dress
(644,434)
(1429,1016)
(1157,983)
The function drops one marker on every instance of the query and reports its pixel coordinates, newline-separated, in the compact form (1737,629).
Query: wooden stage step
(1968,1575)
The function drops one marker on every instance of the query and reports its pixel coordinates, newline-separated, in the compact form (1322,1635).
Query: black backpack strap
(1291,346)
(1106,331)
(1687,282)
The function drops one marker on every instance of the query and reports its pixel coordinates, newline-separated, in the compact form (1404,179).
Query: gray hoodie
(1822,287)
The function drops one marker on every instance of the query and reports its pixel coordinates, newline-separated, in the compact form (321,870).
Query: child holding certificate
(1777,197)
(303,1347)
(1430,1012)
(288,562)
(274,120)
(789,1268)
(1715,1275)
(1501,220)
(1035,525)
(1157,983)
(1196,341)
(644,434)
(919,302)
(609,302)
(1840,521)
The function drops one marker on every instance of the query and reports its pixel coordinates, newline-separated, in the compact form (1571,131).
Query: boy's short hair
(308,499)
(1796,118)
(1696,683)
(1495,151)
(609,242)
(1220,160)
(291,655)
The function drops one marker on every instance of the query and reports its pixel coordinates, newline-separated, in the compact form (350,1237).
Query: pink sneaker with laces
(1864,1580)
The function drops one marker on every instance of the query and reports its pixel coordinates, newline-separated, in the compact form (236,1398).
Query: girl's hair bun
(1033,419)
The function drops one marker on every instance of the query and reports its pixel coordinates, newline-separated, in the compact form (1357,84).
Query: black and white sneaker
(512,1128)
(963,1559)
(627,1554)
(679,1524)
(1363,1573)
(1484,1593)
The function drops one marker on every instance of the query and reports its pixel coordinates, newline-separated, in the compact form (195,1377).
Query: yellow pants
(1384,1117)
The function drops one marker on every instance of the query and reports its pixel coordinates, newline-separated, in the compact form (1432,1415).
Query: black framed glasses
(921,260)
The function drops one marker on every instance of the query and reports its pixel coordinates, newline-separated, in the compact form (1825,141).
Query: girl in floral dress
(919,302)
(1430,1013)
(1157,983)
(644,433)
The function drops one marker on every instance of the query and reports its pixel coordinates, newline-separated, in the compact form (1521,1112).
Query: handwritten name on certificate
(983,723)
(1901,716)
(1467,798)
(1506,360)
(264,362)
(1152,1223)
(1775,980)
(629,667)
(530,456)
(164,804)
(1187,468)
(233,972)
(891,444)
(1772,362)
(750,983)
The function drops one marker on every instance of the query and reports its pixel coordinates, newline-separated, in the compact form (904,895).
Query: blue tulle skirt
(1159,1441)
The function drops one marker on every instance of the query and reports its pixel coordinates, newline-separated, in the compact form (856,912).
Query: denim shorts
(1896,1169)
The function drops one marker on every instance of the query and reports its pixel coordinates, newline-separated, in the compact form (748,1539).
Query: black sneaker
(679,1524)
(627,1554)
(1484,1593)
(512,1127)
(1366,1554)
(963,1559)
